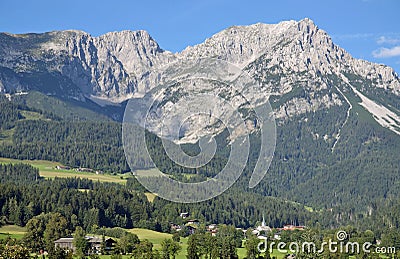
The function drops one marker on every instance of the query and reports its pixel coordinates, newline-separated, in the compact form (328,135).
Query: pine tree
(80,242)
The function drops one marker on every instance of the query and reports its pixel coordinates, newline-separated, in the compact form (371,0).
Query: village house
(292,227)
(65,243)
(184,215)
(212,229)
(61,167)
(191,229)
(193,222)
(83,169)
(175,227)
(94,244)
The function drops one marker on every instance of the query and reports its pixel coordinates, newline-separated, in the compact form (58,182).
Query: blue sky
(368,29)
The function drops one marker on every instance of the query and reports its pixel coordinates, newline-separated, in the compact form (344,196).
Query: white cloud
(386,52)
(353,36)
(387,40)
(381,38)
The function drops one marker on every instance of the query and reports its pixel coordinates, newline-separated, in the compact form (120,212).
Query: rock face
(290,47)
(292,54)
(293,60)
(114,65)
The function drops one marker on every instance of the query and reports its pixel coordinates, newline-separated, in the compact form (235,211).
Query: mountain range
(281,57)
(338,117)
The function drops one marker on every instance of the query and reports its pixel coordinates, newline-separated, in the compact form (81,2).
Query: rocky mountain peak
(306,24)
(118,65)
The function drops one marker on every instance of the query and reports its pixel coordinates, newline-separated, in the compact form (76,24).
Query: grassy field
(147,172)
(152,236)
(29,115)
(47,169)
(11,231)
(157,237)
(6,136)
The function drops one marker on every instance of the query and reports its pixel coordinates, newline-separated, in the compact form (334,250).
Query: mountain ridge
(283,58)
(130,47)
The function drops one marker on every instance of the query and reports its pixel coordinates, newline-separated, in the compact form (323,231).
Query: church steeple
(263,222)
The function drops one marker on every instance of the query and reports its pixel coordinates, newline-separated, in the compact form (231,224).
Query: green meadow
(47,169)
